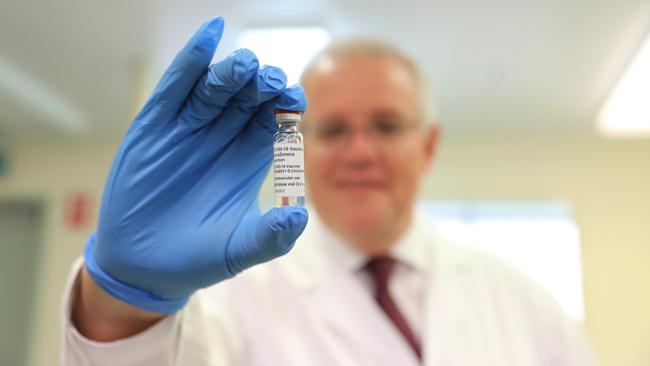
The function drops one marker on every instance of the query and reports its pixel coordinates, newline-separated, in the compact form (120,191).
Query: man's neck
(377,242)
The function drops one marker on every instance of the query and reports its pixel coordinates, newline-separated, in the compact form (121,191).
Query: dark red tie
(380,270)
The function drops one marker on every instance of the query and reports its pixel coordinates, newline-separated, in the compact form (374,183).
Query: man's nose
(360,148)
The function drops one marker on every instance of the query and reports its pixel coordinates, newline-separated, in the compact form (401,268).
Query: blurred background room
(544,158)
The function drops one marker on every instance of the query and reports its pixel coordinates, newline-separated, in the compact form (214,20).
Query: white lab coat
(302,310)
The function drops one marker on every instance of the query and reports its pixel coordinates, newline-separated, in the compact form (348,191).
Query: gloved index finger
(215,89)
(186,69)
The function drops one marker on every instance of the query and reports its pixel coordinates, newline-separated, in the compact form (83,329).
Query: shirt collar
(410,250)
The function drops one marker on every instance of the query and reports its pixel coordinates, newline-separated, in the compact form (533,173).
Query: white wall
(608,184)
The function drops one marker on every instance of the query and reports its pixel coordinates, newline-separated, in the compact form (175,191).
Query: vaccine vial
(288,160)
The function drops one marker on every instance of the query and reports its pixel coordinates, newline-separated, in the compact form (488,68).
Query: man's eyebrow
(331,119)
(388,113)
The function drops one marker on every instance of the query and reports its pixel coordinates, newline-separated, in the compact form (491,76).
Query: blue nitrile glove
(179,210)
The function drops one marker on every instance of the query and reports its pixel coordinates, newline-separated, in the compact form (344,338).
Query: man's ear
(431,137)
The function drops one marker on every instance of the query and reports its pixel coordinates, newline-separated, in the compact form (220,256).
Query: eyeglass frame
(391,135)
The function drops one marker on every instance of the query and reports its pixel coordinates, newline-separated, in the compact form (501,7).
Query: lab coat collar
(340,254)
(410,250)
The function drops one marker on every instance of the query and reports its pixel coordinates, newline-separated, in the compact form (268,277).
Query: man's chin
(364,218)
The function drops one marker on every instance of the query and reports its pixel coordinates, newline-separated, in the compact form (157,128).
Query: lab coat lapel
(357,326)
(445,340)
(351,324)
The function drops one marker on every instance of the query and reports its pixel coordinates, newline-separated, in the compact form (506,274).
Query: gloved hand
(179,210)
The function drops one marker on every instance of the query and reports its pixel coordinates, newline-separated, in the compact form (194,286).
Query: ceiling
(506,67)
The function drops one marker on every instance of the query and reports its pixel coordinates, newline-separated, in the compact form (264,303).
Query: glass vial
(288,160)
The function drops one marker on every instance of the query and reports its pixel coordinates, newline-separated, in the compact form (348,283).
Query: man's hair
(350,48)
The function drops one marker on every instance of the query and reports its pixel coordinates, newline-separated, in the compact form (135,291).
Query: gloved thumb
(272,235)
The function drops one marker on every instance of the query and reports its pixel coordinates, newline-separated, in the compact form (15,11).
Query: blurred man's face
(365,148)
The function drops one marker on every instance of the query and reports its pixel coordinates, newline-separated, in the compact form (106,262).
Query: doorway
(21,224)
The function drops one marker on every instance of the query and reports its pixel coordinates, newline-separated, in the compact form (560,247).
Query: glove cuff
(125,292)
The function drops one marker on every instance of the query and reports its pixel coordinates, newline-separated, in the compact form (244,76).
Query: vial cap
(287,115)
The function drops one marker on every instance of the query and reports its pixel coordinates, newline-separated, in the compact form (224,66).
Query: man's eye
(331,132)
(387,128)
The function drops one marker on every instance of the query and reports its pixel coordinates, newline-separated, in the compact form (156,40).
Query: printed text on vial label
(288,169)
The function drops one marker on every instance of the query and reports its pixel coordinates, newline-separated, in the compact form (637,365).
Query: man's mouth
(359,184)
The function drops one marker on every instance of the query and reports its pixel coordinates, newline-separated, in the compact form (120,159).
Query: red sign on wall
(78,210)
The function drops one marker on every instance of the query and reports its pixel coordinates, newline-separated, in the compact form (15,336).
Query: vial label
(288,170)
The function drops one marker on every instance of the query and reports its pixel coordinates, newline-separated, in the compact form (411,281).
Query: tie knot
(380,269)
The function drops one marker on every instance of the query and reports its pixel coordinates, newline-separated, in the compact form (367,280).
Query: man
(366,284)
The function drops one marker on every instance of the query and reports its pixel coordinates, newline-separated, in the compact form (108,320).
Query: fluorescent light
(627,110)
(38,99)
(288,48)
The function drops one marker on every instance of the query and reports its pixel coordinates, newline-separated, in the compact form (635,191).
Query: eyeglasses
(383,133)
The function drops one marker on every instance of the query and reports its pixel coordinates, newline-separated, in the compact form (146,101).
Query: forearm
(101,317)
